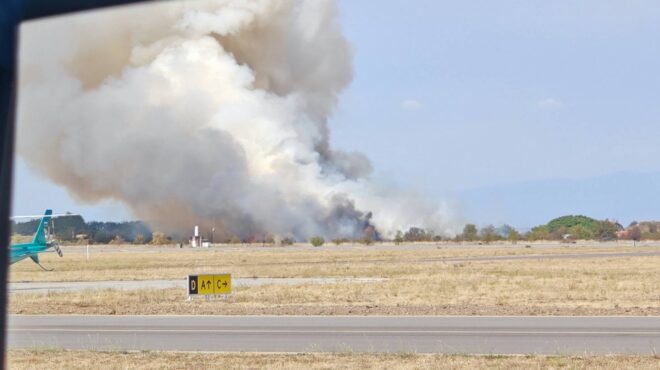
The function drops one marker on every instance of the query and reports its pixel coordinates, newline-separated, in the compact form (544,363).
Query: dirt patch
(357,310)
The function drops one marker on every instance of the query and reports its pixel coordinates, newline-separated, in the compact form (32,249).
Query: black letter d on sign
(192,284)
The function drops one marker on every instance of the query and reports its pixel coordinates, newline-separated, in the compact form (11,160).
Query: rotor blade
(57,249)
(40,216)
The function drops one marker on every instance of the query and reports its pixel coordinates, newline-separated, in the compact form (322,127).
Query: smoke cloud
(207,112)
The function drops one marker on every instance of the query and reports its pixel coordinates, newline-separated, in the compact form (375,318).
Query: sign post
(209,285)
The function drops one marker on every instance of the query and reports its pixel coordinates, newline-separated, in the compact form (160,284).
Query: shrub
(317,241)
(158,238)
(366,240)
(417,234)
(139,239)
(398,239)
(118,240)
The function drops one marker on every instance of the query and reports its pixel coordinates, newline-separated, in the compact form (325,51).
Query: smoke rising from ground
(207,112)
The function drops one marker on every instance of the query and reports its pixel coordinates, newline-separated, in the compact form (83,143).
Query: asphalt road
(475,335)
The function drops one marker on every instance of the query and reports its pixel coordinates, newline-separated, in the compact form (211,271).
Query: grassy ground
(598,286)
(144,263)
(51,359)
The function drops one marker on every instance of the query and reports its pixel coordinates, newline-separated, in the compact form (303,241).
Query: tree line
(74,229)
(568,228)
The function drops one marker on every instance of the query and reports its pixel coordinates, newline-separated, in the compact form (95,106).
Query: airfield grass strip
(145,262)
(617,286)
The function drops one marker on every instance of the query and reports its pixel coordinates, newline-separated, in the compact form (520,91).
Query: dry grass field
(417,282)
(51,359)
(145,263)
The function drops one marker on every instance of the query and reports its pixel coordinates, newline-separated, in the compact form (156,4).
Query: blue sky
(509,94)
(503,108)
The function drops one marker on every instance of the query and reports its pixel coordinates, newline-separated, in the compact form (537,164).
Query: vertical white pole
(197,238)
(88,252)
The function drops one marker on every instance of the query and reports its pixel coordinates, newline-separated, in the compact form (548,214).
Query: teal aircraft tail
(40,236)
(38,245)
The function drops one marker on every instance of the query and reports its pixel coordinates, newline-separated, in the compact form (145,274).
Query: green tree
(26,228)
(606,230)
(469,233)
(539,233)
(398,238)
(513,236)
(102,237)
(417,234)
(505,230)
(488,234)
(317,241)
(559,233)
(579,232)
(567,222)
(67,227)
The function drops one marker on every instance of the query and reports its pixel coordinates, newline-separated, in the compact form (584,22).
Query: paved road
(71,286)
(483,335)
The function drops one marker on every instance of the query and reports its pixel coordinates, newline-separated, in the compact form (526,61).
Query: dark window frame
(12,13)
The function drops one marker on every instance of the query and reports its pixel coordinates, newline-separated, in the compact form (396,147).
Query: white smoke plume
(205,112)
